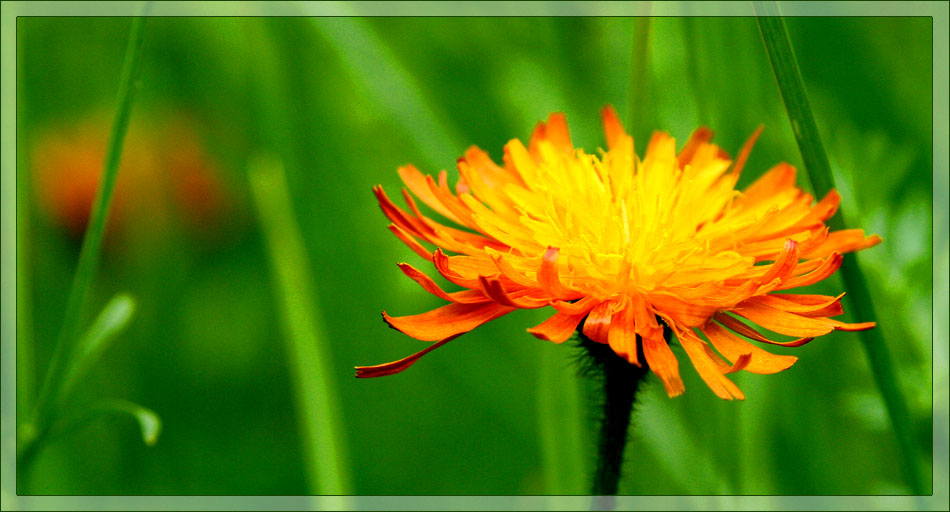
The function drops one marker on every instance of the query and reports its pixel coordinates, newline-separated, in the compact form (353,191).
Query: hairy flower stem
(621,381)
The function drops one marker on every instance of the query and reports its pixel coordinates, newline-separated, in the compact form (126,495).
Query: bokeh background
(342,102)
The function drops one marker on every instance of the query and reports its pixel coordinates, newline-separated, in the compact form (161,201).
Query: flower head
(620,246)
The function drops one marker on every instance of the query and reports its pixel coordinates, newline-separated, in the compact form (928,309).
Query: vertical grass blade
(92,241)
(307,343)
(638,89)
(560,424)
(782,56)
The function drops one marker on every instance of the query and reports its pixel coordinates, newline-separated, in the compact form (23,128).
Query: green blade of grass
(91,249)
(560,425)
(639,115)
(307,343)
(787,73)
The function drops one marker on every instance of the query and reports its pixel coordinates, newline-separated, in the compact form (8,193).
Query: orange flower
(619,246)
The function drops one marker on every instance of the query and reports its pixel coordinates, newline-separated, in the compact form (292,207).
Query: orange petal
(416,182)
(734,347)
(410,241)
(847,240)
(744,153)
(380,370)
(557,133)
(426,282)
(446,321)
(558,328)
(597,325)
(781,321)
(548,276)
(780,177)
(841,326)
(700,136)
(509,271)
(706,367)
(622,335)
(612,126)
(828,266)
(743,329)
(784,265)
(820,306)
(577,307)
(496,291)
(724,366)
(656,351)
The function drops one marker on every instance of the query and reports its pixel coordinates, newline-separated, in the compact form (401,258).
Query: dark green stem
(788,75)
(621,381)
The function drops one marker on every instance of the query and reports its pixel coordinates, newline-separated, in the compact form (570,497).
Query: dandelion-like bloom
(619,246)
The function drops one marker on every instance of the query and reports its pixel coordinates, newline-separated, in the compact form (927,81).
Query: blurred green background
(342,102)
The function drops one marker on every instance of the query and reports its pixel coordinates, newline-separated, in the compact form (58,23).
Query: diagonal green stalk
(307,344)
(788,75)
(91,249)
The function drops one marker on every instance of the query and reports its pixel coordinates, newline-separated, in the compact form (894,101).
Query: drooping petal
(558,328)
(581,306)
(706,367)
(841,326)
(380,370)
(738,326)
(805,305)
(597,324)
(781,321)
(733,347)
(656,351)
(446,321)
(622,335)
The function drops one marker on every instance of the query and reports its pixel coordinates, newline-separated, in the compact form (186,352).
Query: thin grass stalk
(306,342)
(323,440)
(560,418)
(817,167)
(91,250)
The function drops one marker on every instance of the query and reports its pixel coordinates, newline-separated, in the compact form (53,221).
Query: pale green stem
(560,424)
(818,170)
(308,347)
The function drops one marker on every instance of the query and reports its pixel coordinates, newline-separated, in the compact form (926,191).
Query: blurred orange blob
(165,175)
